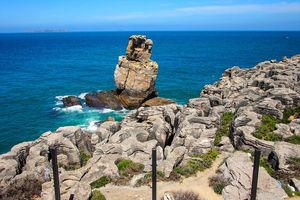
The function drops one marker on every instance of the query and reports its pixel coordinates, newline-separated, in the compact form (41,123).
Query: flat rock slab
(238,170)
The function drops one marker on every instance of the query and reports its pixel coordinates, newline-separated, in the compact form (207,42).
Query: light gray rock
(238,170)
(284,152)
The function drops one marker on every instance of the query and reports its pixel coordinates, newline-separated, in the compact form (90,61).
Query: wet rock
(71,101)
(103,99)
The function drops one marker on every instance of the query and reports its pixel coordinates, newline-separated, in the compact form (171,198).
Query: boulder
(238,170)
(71,101)
(103,99)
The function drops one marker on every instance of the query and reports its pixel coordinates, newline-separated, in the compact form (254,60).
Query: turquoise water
(36,69)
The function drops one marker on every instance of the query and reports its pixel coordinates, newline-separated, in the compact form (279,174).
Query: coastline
(179,132)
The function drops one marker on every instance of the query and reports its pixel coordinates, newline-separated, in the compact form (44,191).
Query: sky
(148,15)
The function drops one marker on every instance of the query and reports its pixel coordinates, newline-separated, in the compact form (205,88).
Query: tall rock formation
(135,77)
(136,73)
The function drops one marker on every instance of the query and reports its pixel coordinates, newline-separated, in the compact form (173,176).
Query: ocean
(38,69)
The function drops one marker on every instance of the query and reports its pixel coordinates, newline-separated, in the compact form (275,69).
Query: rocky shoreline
(246,109)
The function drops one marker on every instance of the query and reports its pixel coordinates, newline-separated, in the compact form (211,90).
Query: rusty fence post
(53,154)
(255,174)
(154,191)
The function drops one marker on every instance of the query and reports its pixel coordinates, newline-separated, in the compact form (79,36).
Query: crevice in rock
(21,159)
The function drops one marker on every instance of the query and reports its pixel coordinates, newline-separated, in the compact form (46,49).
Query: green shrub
(97,195)
(264,163)
(101,182)
(193,166)
(295,112)
(295,139)
(218,183)
(224,129)
(84,157)
(265,131)
(128,167)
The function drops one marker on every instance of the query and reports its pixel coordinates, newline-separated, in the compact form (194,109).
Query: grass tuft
(128,168)
(101,182)
(295,139)
(218,183)
(265,131)
(224,128)
(193,166)
(290,114)
(84,157)
(97,195)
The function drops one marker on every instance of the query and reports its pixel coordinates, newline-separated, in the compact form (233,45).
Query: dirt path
(197,184)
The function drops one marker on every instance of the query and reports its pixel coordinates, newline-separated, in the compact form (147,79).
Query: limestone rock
(103,99)
(135,73)
(238,170)
(71,101)
(139,48)
(157,101)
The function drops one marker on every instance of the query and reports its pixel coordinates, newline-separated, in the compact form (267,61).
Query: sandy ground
(197,184)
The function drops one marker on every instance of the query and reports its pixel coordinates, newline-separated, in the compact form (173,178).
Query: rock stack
(135,77)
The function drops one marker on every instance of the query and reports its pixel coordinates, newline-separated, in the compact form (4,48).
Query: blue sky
(123,15)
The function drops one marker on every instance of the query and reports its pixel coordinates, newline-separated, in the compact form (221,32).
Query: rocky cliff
(246,109)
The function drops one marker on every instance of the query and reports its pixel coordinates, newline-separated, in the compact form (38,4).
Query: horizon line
(94,31)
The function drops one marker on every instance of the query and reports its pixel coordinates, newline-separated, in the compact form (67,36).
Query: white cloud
(246,8)
(209,9)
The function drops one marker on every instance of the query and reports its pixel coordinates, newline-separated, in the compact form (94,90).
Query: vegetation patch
(264,163)
(290,114)
(224,128)
(265,131)
(198,163)
(218,183)
(84,157)
(70,167)
(27,188)
(295,139)
(97,195)
(101,182)
(129,168)
(186,195)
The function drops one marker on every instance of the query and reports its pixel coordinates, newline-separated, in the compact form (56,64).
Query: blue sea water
(36,69)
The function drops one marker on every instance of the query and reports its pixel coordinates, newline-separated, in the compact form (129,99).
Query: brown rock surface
(135,73)
(71,101)
(103,99)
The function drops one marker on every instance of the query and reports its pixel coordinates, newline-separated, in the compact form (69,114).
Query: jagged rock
(283,130)
(157,101)
(139,48)
(103,99)
(225,145)
(71,101)
(285,151)
(135,74)
(202,104)
(238,170)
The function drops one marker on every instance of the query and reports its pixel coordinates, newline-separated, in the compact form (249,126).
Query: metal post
(255,174)
(53,153)
(154,173)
